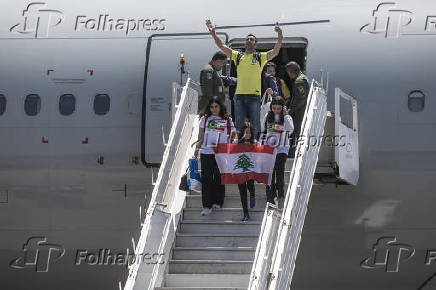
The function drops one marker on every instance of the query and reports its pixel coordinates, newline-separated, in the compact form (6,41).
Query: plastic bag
(265,104)
(194,180)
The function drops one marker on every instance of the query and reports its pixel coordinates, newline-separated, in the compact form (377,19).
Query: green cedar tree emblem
(244,163)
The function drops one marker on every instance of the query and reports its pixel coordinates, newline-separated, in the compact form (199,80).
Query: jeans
(247,106)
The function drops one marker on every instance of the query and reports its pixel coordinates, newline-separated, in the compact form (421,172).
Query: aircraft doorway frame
(144,92)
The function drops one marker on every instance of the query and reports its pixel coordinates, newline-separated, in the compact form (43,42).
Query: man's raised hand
(210,26)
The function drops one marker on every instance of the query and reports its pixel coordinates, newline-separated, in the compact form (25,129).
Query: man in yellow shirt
(249,67)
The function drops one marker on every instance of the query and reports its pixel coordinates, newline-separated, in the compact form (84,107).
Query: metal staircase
(219,251)
(215,251)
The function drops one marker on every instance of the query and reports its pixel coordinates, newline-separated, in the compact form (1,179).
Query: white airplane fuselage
(79,179)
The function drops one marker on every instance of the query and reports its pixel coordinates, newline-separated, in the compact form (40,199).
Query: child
(215,127)
(247,137)
(278,126)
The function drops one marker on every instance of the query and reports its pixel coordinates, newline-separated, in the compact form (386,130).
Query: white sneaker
(216,206)
(206,211)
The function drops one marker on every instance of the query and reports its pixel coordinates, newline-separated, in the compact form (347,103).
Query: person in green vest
(211,82)
(298,101)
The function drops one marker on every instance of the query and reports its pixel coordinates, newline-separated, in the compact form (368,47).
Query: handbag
(184,182)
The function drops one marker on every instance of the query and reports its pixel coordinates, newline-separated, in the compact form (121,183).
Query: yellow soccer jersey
(249,72)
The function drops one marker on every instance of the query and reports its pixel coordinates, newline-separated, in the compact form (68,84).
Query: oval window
(416,101)
(2,104)
(32,105)
(67,104)
(102,104)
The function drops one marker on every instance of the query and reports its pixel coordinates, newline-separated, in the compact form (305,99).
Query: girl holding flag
(247,137)
(277,127)
(215,127)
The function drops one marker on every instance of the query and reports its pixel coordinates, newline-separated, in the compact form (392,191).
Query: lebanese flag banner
(240,162)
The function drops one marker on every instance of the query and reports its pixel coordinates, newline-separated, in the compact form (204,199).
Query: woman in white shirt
(276,127)
(215,127)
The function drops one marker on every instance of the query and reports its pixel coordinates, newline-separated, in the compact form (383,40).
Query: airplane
(86,107)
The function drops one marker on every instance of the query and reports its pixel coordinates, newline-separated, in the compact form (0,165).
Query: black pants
(278,179)
(297,118)
(212,191)
(243,193)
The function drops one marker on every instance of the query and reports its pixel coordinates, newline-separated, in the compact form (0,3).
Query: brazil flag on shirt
(249,72)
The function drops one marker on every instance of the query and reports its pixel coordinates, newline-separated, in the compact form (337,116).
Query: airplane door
(346,127)
(162,70)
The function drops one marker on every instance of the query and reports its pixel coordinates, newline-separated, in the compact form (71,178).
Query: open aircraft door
(163,52)
(347,151)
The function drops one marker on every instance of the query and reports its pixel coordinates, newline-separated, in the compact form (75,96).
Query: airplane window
(416,101)
(67,104)
(102,104)
(2,104)
(32,105)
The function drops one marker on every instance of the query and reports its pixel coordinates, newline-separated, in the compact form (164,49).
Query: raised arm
(275,51)
(219,42)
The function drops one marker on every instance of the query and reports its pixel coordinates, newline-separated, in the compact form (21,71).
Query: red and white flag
(240,162)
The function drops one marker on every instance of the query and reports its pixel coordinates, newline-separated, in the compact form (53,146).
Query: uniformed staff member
(249,67)
(298,101)
(211,82)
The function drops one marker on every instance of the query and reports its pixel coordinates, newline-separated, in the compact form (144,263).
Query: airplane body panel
(79,179)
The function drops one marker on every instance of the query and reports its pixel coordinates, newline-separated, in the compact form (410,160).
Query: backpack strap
(205,121)
(228,126)
(258,58)
(238,58)
(256,55)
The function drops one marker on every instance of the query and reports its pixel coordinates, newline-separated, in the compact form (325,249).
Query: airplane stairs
(219,251)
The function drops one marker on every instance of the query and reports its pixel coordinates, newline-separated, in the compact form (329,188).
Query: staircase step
(216,240)
(220,227)
(232,190)
(209,267)
(232,214)
(232,201)
(200,288)
(207,280)
(214,253)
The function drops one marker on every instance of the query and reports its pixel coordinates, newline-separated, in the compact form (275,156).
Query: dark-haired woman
(277,127)
(215,127)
